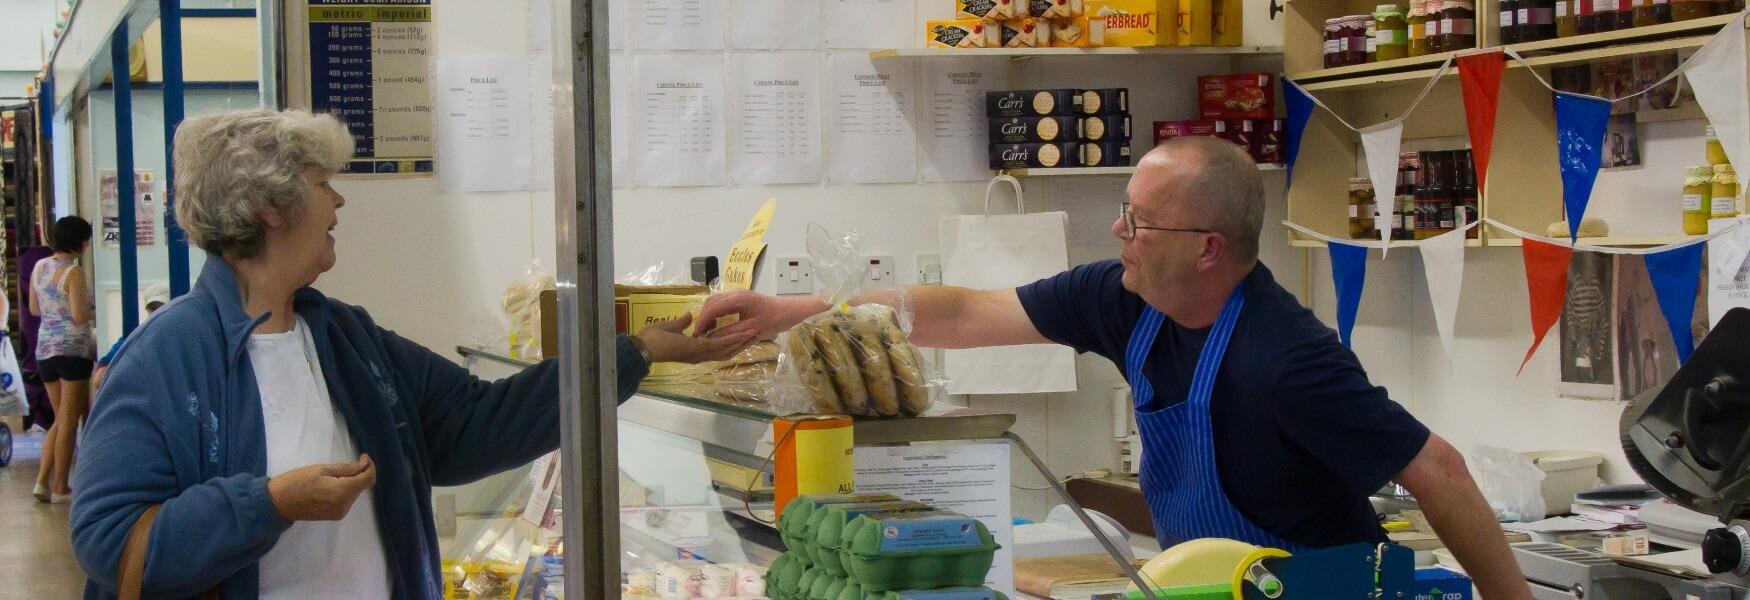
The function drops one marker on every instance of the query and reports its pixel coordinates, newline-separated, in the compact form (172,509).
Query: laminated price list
(369,67)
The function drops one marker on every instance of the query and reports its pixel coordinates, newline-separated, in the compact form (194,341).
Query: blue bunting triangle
(1676,274)
(1300,110)
(1349,273)
(1580,123)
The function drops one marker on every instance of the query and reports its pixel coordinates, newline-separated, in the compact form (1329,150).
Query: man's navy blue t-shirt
(1302,438)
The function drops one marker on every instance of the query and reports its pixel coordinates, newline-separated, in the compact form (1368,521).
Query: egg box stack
(878,547)
(1238,107)
(1012,24)
(1043,129)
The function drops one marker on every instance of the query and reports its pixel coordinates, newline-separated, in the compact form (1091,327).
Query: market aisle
(34,551)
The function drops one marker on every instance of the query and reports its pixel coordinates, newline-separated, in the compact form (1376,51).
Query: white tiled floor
(35,553)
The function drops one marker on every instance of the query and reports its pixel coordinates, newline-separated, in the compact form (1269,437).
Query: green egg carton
(820,587)
(917,551)
(836,588)
(828,528)
(784,577)
(793,523)
(805,585)
(953,593)
(853,590)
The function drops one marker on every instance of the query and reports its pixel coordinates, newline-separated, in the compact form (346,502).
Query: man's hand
(321,492)
(667,344)
(761,316)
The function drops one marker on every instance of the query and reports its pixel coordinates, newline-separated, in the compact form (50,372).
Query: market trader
(1281,443)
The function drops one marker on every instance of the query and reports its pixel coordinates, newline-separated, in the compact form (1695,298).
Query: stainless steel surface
(736,429)
(271,80)
(1557,571)
(584,228)
(1148,590)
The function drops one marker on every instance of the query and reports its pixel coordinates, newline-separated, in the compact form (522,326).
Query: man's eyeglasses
(1130,225)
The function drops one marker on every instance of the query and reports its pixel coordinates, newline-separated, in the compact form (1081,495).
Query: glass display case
(696,516)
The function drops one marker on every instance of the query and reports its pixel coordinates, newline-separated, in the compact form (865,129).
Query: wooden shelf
(1100,171)
(1300,243)
(1418,77)
(1612,241)
(1040,52)
(1427,63)
(1707,25)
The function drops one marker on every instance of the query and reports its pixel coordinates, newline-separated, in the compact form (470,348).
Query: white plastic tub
(1567,472)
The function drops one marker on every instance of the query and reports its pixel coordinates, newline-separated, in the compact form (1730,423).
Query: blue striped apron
(1179,478)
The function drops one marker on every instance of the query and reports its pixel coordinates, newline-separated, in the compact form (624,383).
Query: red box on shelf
(1166,130)
(1237,96)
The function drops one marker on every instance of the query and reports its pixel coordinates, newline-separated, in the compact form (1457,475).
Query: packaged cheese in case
(963,33)
(990,10)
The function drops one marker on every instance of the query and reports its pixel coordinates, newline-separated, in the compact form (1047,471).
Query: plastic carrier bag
(522,307)
(1511,482)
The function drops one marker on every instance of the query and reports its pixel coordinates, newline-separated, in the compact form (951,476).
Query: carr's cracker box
(963,33)
(1023,130)
(989,10)
(1032,103)
(1034,156)
(1134,23)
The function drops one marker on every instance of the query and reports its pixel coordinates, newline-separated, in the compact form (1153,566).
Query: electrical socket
(929,269)
(880,273)
(795,276)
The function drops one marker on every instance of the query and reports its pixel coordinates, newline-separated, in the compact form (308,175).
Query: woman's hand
(321,492)
(667,344)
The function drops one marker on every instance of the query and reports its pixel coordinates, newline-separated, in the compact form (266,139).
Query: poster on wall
(368,63)
(483,123)
(1587,363)
(1646,356)
(145,209)
(1728,269)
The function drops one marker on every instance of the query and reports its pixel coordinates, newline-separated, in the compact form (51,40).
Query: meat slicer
(1691,442)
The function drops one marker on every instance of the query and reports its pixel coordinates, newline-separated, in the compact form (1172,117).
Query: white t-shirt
(313,559)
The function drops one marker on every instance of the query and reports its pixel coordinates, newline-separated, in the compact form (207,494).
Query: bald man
(1257,423)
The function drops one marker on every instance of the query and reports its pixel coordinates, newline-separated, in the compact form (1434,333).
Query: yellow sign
(738,270)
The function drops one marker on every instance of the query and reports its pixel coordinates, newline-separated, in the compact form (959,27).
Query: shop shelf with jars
(1021,53)
(1344,38)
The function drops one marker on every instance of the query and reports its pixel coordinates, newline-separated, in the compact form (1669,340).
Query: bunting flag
(1580,122)
(1348,273)
(1716,73)
(1443,266)
(1300,110)
(1480,74)
(1676,274)
(1381,143)
(1546,278)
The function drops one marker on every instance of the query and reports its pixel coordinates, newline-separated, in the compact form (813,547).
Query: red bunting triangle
(1546,277)
(1481,77)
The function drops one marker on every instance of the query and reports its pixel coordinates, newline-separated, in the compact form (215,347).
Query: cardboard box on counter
(1022,130)
(1194,23)
(1105,154)
(1034,156)
(1104,128)
(648,309)
(1134,23)
(1024,33)
(963,33)
(1032,103)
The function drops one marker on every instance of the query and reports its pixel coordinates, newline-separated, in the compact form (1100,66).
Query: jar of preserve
(1603,16)
(1457,25)
(1723,7)
(1697,199)
(1334,42)
(1370,43)
(1418,26)
(1537,20)
(1567,18)
(1390,33)
(1685,10)
(1436,41)
(1356,28)
(1716,153)
(1645,13)
(1625,15)
(1725,192)
(1510,21)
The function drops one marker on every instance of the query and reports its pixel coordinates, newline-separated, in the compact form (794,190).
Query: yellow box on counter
(1132,23)
(1076,33)
(647,309)
(990,10)
(961,33)
(1025,33)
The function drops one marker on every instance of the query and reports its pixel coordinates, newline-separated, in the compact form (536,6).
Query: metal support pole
(584,225)
(170,25)
(270,22)
(1148,590)
(124,176)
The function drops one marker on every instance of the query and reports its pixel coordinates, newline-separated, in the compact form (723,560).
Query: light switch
(880,271)
(929,269)
(795,276)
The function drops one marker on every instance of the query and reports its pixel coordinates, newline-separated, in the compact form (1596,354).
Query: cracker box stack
(1045,129)
(1012,24)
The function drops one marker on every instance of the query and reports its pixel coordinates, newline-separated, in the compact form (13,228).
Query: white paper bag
(13,402)
(1004,251)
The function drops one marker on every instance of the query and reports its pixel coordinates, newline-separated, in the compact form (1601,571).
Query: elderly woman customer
(285,442)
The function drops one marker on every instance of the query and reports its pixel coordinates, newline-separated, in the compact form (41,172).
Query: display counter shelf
(1054,52)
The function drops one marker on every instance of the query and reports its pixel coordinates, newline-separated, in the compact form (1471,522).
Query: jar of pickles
(1458,25)
(1391,34)
(1697,199)
(1725,192)
(1360,207)
(1418,27)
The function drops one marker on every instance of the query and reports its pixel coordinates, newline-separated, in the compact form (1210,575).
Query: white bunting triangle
(1443,266)
(1716,73)
(1381,143)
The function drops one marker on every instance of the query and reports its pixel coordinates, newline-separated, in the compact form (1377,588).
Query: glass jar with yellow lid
(1697,199)
(1725,192)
